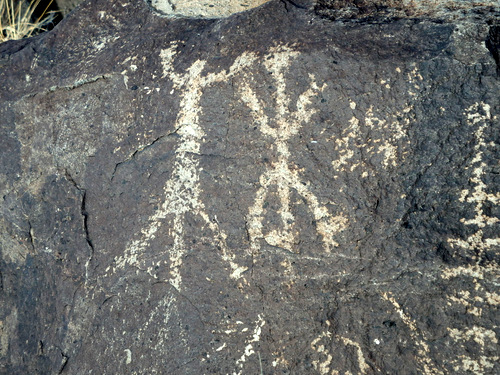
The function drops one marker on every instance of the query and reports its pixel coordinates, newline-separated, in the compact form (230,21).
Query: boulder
(184,8)
(301,188)
(203,9)
(66,6)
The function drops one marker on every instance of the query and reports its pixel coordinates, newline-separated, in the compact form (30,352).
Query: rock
(286,190)
(438,10)
(185,8)
(201,8)
(66,6)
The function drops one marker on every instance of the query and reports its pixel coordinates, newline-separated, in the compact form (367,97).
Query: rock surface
(287,190)
(202,8)
(66,6)
(185,8)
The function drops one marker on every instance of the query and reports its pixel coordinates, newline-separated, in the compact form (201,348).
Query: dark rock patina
(288,190)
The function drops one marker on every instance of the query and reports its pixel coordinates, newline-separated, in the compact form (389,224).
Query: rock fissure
(64,361)
(70,178)
(31,238)
(139,150)
(85,216)
(78,83)
(286,2)
(493,44)
(86,230)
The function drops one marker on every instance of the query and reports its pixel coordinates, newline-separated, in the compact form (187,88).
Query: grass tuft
(17,19)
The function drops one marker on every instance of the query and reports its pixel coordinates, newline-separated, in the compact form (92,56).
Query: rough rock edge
(387,10)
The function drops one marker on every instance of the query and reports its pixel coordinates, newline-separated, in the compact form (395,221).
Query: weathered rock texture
(185,8)
(282,189)
(202,8)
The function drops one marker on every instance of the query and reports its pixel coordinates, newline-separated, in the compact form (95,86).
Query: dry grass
(16,19)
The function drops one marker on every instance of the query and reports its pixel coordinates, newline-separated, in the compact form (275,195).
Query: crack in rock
(140,150)
(85,215)
(76,84)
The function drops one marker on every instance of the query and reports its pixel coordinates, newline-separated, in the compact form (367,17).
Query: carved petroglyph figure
(281,174)
(478,115)
(182,193)
(484,277)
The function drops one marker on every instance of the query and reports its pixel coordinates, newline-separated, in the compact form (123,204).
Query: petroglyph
(277,125)
(363,366)
(483,277)
(321,346)
(252,333)
(387,149)
(481,282)
(283,174)
(182,193)
(479,115)
(249,349)
(485,338)
(323,366)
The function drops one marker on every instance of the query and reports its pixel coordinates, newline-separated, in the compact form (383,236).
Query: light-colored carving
(390,126)
(283,174)
(363,366)
(182,193)
(252,333)
(478,115)
(249,349)
(484,278)
(322,344)
(278,125)
(486,339)
(322,366)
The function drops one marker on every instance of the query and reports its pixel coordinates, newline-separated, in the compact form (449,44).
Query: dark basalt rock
(279,191)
